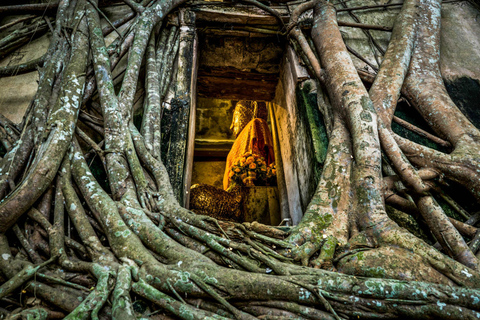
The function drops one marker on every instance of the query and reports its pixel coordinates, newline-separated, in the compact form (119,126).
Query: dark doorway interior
(231,68)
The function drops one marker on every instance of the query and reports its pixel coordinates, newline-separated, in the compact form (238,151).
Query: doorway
(234,66)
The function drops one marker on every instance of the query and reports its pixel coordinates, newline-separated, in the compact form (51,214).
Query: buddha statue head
(246,111)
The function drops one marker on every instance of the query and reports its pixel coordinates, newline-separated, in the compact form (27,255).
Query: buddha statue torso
(255,139)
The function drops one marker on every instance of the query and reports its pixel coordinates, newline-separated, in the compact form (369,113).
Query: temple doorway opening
(234,174)
(261,74)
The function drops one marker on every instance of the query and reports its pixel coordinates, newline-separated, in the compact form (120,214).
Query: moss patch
(307,105)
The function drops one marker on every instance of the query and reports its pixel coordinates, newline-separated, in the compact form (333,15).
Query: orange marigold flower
(274,171)
(237,170)
(252,166)
(249,160)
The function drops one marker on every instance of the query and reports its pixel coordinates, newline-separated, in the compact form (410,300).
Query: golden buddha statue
(252,137)
(253,147)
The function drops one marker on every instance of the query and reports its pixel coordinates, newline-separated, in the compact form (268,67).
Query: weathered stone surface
(252,55)
(460,57)
(295,146)
(17,91)
(208,172)
(261,205)
(239,68)
(460,41)
(214,117)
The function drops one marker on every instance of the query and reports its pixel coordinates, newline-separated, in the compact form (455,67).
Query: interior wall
(209,172)
(294,143)
(214,117)
(239,68)
(213,140)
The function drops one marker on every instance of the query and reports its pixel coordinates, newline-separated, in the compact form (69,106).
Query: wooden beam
(240,14)
(187,176)
(211,153)
(282,187)
(236,89)
(217,148)
(181,107)
(299,73)
(234,73)
(234,33)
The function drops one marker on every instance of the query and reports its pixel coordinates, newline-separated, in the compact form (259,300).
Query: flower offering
(251,170)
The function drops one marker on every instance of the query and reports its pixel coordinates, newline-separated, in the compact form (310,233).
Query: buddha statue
(253,137)
(253,145)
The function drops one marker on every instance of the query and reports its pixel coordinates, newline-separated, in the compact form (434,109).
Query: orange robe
(255,138)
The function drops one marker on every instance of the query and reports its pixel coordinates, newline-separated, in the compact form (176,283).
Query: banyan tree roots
(74,246)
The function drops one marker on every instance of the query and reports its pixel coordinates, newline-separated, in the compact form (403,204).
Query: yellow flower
(249,160)
(237,170)
(252,166)
(230,174)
